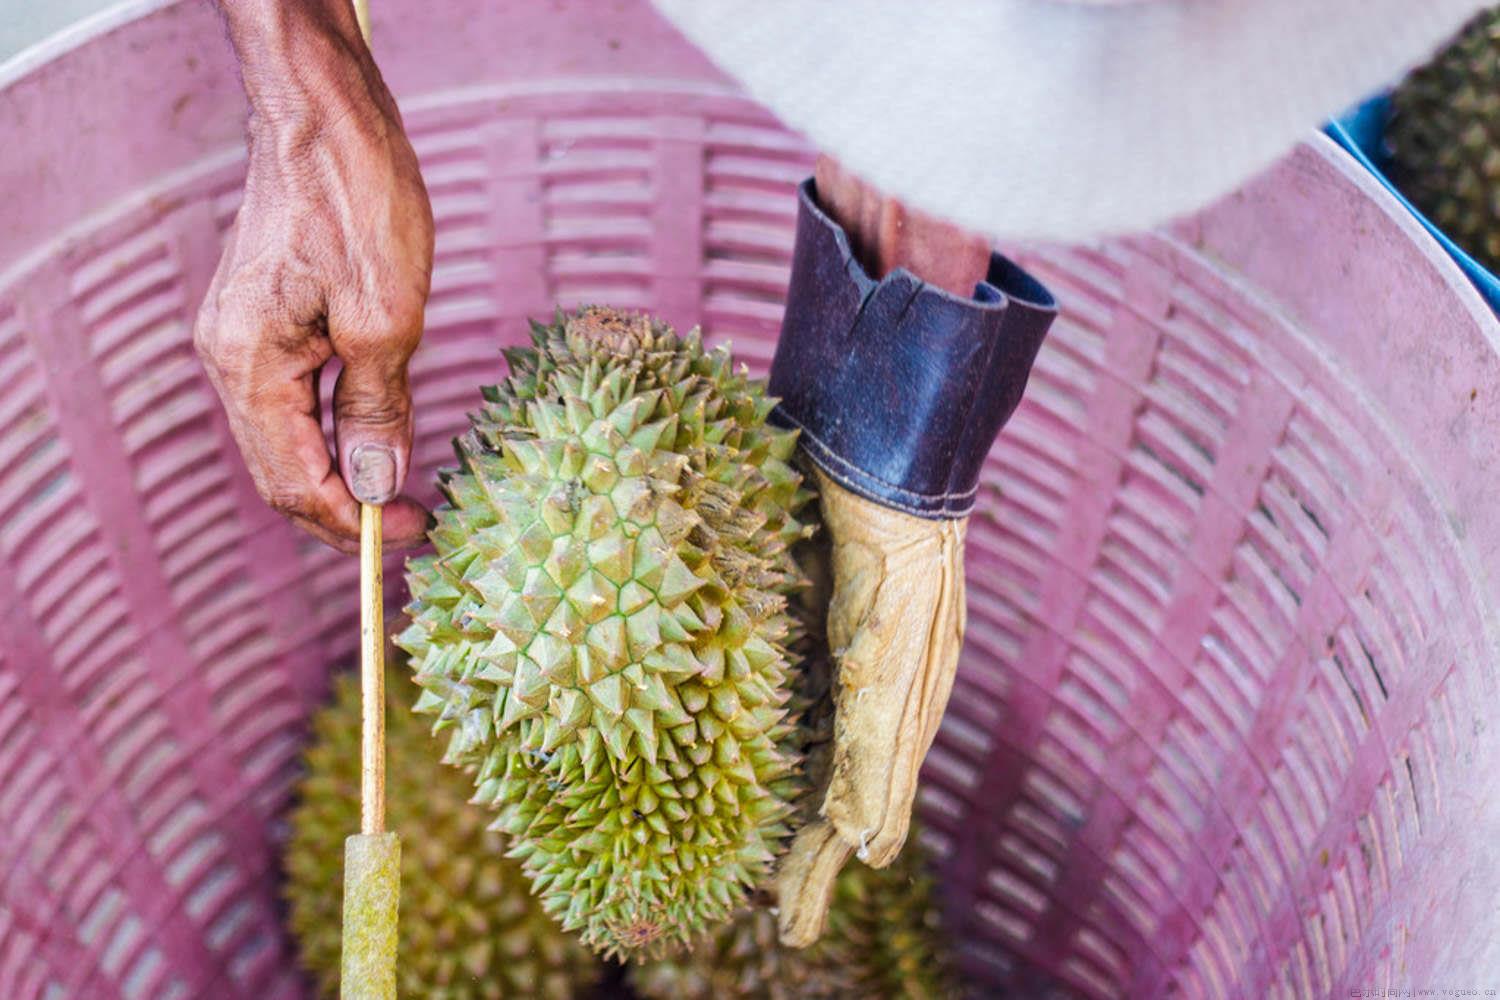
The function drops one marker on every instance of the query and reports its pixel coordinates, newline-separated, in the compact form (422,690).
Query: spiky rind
(469,926)
(603,628)
(1444,137)
(882,941)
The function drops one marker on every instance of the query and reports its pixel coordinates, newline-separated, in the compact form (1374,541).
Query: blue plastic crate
(1362,132)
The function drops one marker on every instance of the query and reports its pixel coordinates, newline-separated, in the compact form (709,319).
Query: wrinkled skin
(332,257)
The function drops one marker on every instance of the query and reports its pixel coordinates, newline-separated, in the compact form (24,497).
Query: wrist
(899,387)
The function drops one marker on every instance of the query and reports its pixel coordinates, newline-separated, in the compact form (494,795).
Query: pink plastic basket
(1222,727)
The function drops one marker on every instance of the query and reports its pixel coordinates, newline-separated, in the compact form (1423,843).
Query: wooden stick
(372,859)
(371,632)
(372,673)
(362,14)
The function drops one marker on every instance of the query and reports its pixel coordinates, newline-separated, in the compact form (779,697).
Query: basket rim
(75,35)
(1360,132)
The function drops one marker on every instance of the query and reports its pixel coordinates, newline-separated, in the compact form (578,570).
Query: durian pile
(882,941)
(602,631)
(1444,138)
(469,926)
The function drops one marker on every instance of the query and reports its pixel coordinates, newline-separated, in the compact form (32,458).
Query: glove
(898,389)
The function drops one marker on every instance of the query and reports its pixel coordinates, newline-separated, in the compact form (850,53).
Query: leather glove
(898,389)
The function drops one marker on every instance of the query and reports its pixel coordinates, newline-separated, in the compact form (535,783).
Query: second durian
(882,942)
(469,927)
(1444,138)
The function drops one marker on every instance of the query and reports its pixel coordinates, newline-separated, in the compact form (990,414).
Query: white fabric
(1049,119)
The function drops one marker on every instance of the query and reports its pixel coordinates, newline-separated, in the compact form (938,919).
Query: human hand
(330,256)
(895,626)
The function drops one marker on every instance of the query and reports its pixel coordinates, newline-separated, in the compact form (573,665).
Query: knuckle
(364,408)
(204,326)
(284,498)
(388,322)
(232,358)
(248,324)
(285,494)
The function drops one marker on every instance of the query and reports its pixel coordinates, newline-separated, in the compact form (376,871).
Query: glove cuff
(898,387)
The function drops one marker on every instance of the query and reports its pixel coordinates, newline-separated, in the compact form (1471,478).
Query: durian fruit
(469,926)
(603,628)
(882,941)
(1444,137)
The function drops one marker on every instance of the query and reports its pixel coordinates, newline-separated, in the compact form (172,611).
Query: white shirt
(1062,119)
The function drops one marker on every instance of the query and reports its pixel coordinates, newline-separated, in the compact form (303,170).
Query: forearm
(302,60)
(885,234)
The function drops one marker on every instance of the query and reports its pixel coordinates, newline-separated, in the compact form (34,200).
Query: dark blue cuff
(898,387)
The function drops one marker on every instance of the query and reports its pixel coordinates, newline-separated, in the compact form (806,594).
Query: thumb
(372,424)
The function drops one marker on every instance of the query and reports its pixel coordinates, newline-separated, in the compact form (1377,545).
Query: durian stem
(372,673)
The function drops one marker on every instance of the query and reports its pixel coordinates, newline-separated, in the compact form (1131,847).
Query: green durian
(882,942)
(469,926)
(1444,138)
(602,631)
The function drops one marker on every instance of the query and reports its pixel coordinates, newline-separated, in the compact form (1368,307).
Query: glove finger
(925,706)
(804,883)
(873,722)
(887,682)
(951,635)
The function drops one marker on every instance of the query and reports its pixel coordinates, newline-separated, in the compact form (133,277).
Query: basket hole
(1038,864)
(1374,670)
(1052,793)
(1105,954)
(1016,890)
(1007,923)
(1091,977)
(196,855)
(1044,828)
(1411,784)
(100,916)
(209,891)
(127,935)
(250,955)
(1349,685)
(141,975)
(1125,897)
(952,768)
(937,844)
(223,930)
